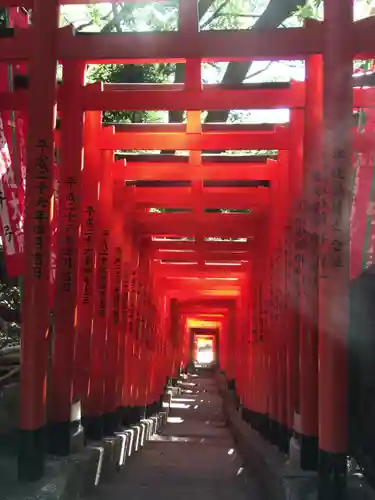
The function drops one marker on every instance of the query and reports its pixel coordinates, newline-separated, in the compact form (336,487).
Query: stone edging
(276,477)
(73,477)
(264,463)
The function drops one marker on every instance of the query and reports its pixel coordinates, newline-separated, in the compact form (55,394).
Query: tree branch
(276,12)
(83,26)
(260,71)
(216,14)
(203,7)
(120,15)
(91,22)
(116,18)
(179,77)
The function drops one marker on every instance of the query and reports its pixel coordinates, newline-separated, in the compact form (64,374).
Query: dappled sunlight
(183,400)
(175,420)
(180,406)
(170,439)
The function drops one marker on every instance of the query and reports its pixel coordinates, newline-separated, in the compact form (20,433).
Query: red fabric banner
(12,164)
(13,134)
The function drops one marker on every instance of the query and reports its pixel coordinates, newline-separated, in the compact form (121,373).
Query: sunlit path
(194,457)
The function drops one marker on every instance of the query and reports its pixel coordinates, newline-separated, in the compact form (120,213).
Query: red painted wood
(87,268)
(66,289)
(101,309)
(39,179)
(309,295)
(334,263)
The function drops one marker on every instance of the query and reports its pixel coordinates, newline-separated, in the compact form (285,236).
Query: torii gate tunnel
(273,279)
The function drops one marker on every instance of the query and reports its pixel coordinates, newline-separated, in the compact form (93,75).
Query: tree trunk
(275,13)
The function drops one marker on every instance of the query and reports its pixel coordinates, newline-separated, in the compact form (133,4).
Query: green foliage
(10,296)
(232,14)
(130,73)
(153,16)
(125,17)
(13,332)
(311,10)
(95,15)
(254,152)
(3,17)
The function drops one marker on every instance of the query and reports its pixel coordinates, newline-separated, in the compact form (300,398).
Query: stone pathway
(193,459)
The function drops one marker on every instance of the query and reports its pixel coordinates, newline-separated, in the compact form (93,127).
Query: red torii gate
(313,168)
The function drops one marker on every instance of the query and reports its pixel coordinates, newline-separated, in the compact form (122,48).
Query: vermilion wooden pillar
(152,343)
(258,346)
(159,352)
(159,380)
(141,352)
(251,373)
(174,335)
(149,342)
(123,359)
(162,332)
(222,343)
(164,365)
(255,346)
(238,369)
(246,341)
(334,253)
(95,403)
(168,343)
(250,398)
(267,294)
(277,302)
(309,285)
(265,322)
(137,375)
(39,178)
(88,219)
(294,263)
(146,341)
(120,287)
(161,383)
(110,415)
(230,372)
(273,352)
(280,347)
(61,410)
(131,348)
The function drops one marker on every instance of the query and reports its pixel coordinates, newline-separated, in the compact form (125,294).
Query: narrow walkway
(193,459)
